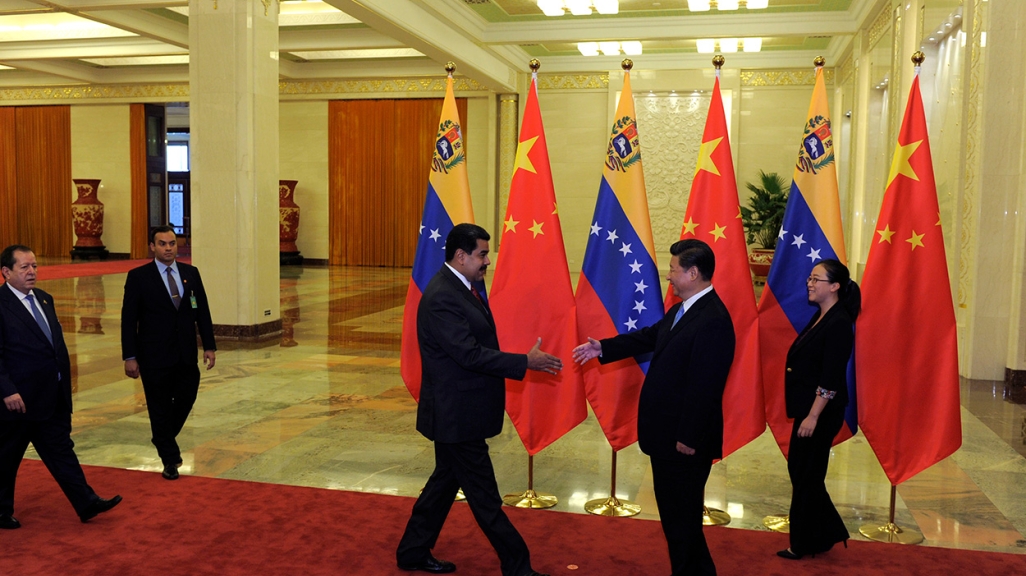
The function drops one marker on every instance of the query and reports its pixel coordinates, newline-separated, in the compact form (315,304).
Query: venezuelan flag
(619,290)
(447,204)
(811,232)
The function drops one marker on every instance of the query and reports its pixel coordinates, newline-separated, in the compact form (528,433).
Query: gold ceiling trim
(376,85)
(785,77)
(64,94)
(573,81)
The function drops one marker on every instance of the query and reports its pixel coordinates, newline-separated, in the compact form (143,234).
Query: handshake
(545,362)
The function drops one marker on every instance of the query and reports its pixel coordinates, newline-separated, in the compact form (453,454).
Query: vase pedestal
(89,253)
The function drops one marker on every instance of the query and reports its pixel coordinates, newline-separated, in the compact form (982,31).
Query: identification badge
(192,300)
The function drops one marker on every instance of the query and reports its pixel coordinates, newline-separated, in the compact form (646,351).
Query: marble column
(994,336)
(233,86)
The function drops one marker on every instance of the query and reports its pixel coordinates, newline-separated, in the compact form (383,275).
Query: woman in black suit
(816,392)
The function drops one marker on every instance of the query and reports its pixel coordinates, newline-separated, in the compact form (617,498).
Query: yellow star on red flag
(885,234)
(537,228)
(705,161)
(916,240)
(717,231)
(523,160)
(690,226)
(511,224)
(900,164)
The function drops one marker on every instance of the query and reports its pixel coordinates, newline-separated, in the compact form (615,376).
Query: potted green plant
(762,217)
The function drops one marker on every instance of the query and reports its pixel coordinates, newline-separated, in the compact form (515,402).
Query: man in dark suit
(35,384)
(462,398)
(164,304)
(680,412)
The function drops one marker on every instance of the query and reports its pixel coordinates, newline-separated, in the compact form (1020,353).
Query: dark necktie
(176,298)
(480,299)
(39,318)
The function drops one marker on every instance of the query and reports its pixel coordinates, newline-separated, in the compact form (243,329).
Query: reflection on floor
(326,407)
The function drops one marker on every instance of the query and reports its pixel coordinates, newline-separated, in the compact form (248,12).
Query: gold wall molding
(785,77)
(879,27)
(72,94)
(970,191)
(846,69)
(573,81)
(508,143)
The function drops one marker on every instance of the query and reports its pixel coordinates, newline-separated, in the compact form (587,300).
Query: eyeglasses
(813,280)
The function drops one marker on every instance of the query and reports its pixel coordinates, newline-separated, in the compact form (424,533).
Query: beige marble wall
(303,156)
(480,139)
(100,149)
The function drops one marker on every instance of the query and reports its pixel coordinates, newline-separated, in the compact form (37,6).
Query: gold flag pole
(612,506)
(891,532)
(530,498)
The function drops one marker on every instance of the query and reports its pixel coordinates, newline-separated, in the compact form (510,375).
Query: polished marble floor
(325,407)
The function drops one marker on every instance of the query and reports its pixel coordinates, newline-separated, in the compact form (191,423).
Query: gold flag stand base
(529,498)
(891,532)
(612,506)
(714,517)
(780,524)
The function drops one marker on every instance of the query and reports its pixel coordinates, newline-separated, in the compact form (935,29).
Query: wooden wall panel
(379,155)
(43,156)
(8,178)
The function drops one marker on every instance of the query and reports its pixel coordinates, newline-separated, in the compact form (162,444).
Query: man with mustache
(462,398)
(35,384)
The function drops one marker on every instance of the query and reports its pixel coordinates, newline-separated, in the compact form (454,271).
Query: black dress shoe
(786,553)
(533,573)
(99,506)
(8,522)
(430,564)
(170,472)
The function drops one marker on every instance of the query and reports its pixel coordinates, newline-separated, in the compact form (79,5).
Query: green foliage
(764,214)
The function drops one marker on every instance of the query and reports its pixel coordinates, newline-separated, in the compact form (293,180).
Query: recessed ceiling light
(609,48)
(551,7)
(752,44)
(728,45)
(631,47)
(727,5)
(698,5)
(757,4)
(705,45)
(588,48)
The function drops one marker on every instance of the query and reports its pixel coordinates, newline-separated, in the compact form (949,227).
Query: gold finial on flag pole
(918,58)
(718,61)
(534,64)
(450,67)
(627,64)
(819,62)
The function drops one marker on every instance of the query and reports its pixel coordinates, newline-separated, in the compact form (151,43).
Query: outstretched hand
(543,361)
(590,349)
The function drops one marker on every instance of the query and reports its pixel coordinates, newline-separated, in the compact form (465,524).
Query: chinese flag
(714,216)
(905,343)
(532,297)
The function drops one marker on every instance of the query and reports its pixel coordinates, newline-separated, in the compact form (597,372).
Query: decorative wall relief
(671,127)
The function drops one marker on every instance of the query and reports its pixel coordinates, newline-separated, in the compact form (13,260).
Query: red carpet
(60,271)
(226,527)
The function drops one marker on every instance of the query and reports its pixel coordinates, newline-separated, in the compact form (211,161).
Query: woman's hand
(808,426)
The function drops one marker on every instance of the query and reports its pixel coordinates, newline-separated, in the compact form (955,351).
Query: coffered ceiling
(96,42)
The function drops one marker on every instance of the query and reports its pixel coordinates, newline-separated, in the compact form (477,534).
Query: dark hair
(849,294)
(464,237)
(693,252)
(160,230)
(7,256)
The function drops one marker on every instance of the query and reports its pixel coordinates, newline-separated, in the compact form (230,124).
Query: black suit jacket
(682,396)
(463,387)
(152,330)
(819,357)
(29,364)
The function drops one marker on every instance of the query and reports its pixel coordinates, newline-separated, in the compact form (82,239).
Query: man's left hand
(208,358)
(14,403)
(685,450)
